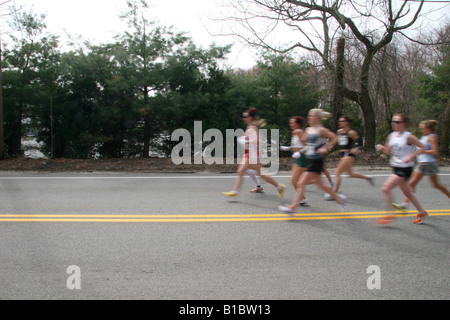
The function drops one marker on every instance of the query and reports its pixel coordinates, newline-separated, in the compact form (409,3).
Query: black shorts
(347,154)
(403,172)
(315,165)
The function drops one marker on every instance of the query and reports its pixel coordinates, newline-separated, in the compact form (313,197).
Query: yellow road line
(208,215)
(205,218)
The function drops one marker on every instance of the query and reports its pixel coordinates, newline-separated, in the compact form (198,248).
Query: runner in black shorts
(400,145)
(314,140)
(315,165)
(349,144)
(405,173)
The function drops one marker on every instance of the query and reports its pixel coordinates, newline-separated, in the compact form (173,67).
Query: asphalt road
(165,237)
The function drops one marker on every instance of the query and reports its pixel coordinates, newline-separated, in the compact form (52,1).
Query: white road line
(174,177)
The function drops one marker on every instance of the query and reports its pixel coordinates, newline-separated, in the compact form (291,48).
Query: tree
(143,54)
(289,92)
(9,11)
(2,134)
(317,25)
(434,87)
(278,87)
(21,63)
(47,82)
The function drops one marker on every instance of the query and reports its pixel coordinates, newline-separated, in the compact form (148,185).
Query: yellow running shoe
(281,191)
(400,207)
(232,194)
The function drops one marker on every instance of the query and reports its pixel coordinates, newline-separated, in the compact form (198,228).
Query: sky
(98,21)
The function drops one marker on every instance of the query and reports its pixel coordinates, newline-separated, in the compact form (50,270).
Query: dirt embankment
(164,165)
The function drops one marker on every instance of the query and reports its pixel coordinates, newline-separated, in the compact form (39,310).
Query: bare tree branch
(315,25)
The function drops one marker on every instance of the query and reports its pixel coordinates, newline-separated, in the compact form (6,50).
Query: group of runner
(311,146)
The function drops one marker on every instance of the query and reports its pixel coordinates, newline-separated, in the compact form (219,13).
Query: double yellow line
(204,218)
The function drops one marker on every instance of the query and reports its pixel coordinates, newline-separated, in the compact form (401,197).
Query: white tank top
(295,142)
(424,157)
(400,149)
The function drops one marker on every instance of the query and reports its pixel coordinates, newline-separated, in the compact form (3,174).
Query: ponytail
(321,114)
(433,125)
(253,113)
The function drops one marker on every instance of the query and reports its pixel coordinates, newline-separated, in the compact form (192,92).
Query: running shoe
(232,194)
(288,210)
(258,189)
(400,207)
(342,204)
(328,197)
(420,217)
(386,220)
(304,203)
(281,191)
(372,181)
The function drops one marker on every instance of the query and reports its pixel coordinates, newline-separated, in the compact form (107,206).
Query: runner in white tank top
(316,148)
(400,150)
(427,162)
(250,160)
(400,146)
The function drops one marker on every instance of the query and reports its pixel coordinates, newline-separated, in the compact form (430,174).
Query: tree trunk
(338,95)
(147,124)
(370,129)
(362,98)
(2,136)
(445,136)
(369,121)
(147,135)
(15,143)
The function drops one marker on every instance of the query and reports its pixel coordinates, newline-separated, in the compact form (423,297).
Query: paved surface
(176,237)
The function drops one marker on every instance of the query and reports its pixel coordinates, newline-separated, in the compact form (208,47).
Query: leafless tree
(396,85)
(317,24)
